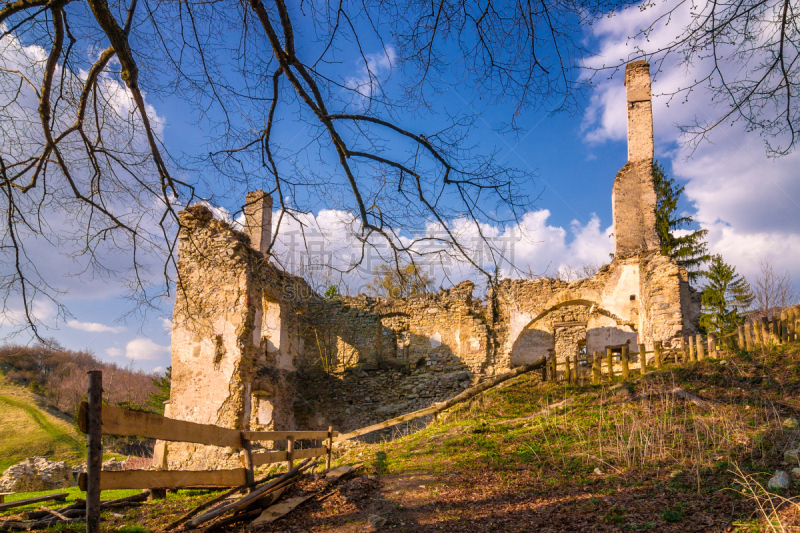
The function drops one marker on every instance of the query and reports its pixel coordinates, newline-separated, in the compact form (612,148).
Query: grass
(74,493)
(655,435)
(27,429)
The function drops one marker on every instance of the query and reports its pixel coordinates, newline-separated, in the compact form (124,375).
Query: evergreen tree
(690,250)
(332,293)
(725,298)
(163,383)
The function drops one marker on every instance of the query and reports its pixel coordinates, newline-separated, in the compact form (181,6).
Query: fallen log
(135,498)
(221,497)
(680,393)
(438,407)
(546,411)
(60,496)
(53,513)
(14,525)
(242,502)
(235,519)
(35,515)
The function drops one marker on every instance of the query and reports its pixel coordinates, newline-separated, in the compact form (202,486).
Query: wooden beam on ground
(60,496)
(164,479)
(464,396)
(125,422)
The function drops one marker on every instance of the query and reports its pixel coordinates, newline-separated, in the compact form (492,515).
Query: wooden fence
(96,420)
(618,360)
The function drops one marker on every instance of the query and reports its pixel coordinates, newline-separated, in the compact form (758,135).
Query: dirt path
(513,502)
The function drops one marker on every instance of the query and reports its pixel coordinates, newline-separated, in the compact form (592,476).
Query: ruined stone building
(254,347)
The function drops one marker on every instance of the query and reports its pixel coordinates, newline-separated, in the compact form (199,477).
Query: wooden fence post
(597,371)
(610,363)
(784,321)
(554,368)
(94,450)
(712,346)
(577,369)
(642,359)
(791,316)
(700,352)
(765,331)
(567,370)
(748,336)
(657,354)
(692,352)
(247,456)
(758,333)
(290,452)
(626,369)
(740,332)
(330,448)
(684,348)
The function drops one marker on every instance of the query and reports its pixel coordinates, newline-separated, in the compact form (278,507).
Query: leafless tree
(84,165)
(773,291)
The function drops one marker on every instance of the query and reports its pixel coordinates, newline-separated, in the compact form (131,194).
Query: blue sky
(748,202)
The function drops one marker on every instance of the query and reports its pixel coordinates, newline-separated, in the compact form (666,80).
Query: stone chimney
(634,195)
(258,219)
(640,111)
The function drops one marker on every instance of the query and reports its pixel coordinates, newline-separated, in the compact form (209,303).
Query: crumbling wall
(212,351)
(254,347)
(633,197)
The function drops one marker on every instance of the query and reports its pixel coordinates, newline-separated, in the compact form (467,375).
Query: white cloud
(113,352)
(367,81)
(94,327)
(144,349)
(158,370)
(747,201)
(166,323)
(530,245)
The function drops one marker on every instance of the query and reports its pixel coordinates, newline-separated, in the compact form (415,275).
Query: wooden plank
(276,511)
(166,479)
(61,496)
(284,435)
(4,494)
(125,422)
(267,458)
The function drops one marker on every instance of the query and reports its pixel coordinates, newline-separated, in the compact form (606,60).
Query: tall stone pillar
(634,196)
(258,219)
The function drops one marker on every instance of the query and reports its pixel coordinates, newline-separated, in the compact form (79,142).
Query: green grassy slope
(28,428)
(627,436)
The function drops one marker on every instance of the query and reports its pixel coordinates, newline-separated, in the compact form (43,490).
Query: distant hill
(28,427)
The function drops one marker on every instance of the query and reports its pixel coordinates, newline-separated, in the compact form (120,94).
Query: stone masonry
(634,197)
(253,347)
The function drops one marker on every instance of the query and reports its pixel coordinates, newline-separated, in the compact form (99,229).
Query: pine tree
(164,384)
(690,250)
(724,299)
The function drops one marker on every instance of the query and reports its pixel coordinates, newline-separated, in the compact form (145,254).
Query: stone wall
(254,347)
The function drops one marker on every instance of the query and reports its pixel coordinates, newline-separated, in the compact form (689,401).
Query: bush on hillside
(60,374)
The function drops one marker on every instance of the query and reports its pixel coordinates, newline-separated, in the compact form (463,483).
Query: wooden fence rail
(96,420)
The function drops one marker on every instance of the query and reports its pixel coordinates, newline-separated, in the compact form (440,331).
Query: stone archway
(568,325)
